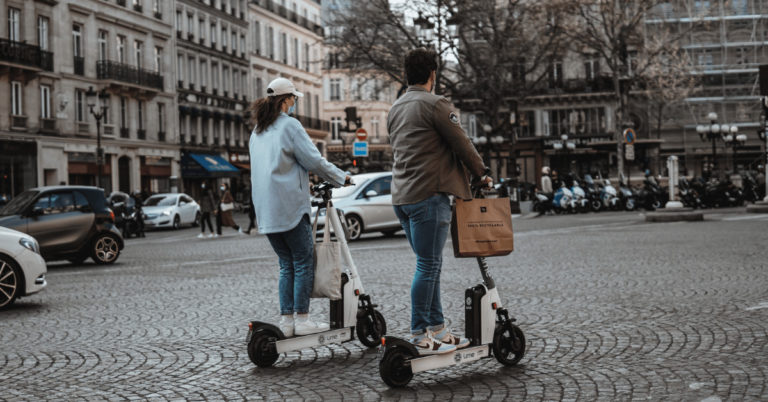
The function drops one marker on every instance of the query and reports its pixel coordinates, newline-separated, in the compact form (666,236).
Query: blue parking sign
(360,148)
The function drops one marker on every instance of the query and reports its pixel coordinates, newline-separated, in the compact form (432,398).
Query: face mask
(222,188)
(203,186)
(292,109)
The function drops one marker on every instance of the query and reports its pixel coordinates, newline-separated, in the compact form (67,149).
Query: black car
(69,222)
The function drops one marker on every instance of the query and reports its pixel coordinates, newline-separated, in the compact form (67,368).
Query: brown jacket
(430,149)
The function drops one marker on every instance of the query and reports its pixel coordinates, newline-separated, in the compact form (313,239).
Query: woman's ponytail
(265,111)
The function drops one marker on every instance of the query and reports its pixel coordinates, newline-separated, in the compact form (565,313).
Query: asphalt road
(613,308)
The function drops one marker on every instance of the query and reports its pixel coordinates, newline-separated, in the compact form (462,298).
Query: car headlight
(30,244)
(322,212)
(166,213)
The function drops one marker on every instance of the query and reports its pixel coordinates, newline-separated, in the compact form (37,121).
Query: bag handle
(314,227)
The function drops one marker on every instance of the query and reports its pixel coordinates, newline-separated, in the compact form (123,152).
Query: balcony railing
(18,121)
(141,134)
(83,127)
(79,65)
(124,132)
(109,130)
(28,55)
(48,125)
(106,69)
(289,15)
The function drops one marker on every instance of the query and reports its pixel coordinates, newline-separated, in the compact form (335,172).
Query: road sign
(361,134)
(629,136)
(629,152)
(360,148)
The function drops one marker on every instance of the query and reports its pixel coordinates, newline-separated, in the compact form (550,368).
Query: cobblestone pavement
(613,308)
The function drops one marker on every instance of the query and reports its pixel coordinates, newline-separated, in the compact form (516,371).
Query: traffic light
(354,162)
(351,118)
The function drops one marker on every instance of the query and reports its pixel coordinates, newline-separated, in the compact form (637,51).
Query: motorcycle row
(574,194)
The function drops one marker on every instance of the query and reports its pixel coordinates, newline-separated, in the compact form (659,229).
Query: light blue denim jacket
(281,157)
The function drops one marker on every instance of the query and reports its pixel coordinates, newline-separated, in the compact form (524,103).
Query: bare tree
(493,53)
(616,30)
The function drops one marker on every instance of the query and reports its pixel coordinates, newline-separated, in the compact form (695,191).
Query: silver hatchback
(367,205)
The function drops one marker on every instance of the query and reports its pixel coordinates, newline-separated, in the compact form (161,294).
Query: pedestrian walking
(226,206)
(207,206)
(281,156)
(251,213)
(431,155)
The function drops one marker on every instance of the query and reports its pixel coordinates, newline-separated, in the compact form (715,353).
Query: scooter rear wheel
(508,344)
(394,367)
(370,329)
(261,349)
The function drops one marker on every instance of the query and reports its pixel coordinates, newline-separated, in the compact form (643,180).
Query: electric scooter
(488,326)
(353,314)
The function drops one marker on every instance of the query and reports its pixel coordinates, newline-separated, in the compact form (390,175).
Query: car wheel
(176,222)
(355,226)
(196,223)
(10,282)
(105,249)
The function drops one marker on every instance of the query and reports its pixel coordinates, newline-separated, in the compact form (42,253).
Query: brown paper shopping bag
(482,227)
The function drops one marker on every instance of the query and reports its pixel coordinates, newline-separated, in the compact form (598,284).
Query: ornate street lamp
(714,132)
(734,141)
(98,112)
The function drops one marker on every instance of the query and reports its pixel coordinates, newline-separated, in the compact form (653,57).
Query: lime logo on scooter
(321,339)
(457,357)
(469,302)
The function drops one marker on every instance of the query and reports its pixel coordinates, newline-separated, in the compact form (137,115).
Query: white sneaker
(426,345)
(216,235)
(201,236)
(240,231)
(210,235)
(304,326)
(286,325)
(445,337)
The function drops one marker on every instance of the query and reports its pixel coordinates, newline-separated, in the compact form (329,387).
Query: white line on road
(758,307)
(756,217)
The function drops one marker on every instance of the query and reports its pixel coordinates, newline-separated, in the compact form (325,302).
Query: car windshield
(18,203)
(160,201)
(348,190)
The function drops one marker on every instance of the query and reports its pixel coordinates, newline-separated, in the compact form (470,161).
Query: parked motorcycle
(592,191)
(689,195)
(609,196)
(580,200)
(563,200)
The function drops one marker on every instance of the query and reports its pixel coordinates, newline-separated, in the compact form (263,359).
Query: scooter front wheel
(508,344)
(370,329)
(394,367)
(261,349)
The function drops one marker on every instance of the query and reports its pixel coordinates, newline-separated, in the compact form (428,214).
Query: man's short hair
(419,64)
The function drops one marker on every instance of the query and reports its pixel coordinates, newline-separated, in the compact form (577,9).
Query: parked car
(22,268)
(170,210)
(70,223)
(367,205)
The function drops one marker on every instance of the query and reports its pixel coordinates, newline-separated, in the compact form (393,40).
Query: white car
(367,205)
(22,268)
(170,210)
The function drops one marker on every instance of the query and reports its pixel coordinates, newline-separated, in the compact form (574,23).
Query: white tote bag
(328,262)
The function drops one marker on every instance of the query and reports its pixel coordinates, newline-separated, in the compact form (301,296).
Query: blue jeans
(297,274)
(426,224)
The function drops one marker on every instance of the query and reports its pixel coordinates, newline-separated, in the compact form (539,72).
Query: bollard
(673,180)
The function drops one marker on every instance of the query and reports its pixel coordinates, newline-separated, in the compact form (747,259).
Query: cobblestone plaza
(613,308)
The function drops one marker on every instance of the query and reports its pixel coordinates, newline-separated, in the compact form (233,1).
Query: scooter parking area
(613,308)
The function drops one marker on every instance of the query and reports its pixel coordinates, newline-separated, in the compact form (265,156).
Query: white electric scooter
(488,326)
(353,313)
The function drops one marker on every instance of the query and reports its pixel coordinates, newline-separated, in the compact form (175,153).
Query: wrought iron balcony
(141,134)
(106,69)
(313,123)
(28,55)
(48,126)
(79,65)
(124,132)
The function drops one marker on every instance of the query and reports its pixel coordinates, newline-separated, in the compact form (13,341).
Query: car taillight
(111,214)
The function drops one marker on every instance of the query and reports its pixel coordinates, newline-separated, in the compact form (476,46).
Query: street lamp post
(734,141)
(565,146)
(764,137)
(714,132)
(98,112)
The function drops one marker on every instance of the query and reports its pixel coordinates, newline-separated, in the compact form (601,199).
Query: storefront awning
(206,165)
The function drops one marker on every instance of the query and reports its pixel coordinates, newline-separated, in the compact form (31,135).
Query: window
(336,89)
(308,110)
(80,105)
(317,106)
(306,57)
(123,112)
(158,60)
(201,28)
(223,37)
(234,40)
(77,40)
(203,73)
(259,88)
(472,132)
(381,186)
(257,37)
(592,68)
(191,76)
(103,39)
(16,98)
(284,47)
(335,128)
(242,43)
(108,104)
(157,7)
(180,67)
(138,49)
(213,33)
(57,203)
(161,117)
(225,78)
(140,111)
(375,126)
(14,19)
(121,48)
(296,52)
(45,101)
(244,81)
(235,82)
(556,74)
(190,23)
(42,32)
(178,20)
(271,42)
(743,55)
(215,75)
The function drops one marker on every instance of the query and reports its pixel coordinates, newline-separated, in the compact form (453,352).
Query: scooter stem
(487,279)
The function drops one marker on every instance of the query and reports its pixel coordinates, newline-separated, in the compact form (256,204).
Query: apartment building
(287,41)
(55,53)
(726,51)
(212,82)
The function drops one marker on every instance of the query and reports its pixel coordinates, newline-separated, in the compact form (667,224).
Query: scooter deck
(313,340)
(459,356)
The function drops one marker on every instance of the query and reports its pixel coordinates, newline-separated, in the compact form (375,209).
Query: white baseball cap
(282,86)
